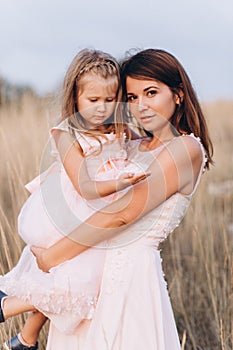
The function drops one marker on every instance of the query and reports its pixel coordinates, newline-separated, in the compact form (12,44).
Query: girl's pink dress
(133,311)
(67,294)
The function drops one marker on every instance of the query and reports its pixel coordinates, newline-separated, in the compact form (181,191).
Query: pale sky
(39,38)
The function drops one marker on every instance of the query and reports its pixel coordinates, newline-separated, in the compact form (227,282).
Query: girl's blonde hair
(97,63)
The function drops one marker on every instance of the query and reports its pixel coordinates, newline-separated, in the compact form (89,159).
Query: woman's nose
(141,104)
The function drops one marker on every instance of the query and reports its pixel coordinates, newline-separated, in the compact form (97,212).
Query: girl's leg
(12,306)
(32,327)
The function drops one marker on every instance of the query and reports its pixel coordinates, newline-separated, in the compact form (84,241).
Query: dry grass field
(197,257)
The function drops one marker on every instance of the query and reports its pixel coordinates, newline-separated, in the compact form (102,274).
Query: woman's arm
(75,166)
(175,170)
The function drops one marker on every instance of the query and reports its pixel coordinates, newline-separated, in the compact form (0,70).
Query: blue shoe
(15,344)
(2,295)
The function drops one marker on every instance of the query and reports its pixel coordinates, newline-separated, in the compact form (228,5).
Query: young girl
(91,163)
(134,310)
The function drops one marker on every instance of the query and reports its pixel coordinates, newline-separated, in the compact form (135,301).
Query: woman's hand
(39,253)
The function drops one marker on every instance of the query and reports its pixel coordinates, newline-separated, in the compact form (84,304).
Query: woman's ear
(179,97)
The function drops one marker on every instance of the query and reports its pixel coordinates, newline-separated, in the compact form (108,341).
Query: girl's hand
(129,179)
(39,253)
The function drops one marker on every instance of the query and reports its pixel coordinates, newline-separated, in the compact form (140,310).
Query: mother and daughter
(96,217)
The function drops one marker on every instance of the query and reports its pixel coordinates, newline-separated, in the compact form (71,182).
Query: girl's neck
(104,129)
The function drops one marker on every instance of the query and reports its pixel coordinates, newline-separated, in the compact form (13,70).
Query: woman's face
(151,102)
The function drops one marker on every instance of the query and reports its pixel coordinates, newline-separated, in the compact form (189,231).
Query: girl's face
(97,98)
(151,102)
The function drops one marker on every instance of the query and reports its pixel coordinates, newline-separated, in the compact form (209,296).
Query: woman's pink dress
(133,311)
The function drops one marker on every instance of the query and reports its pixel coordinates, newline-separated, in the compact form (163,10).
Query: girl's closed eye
(95,99)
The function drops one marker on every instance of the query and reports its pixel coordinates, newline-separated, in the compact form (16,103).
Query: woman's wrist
(46,262)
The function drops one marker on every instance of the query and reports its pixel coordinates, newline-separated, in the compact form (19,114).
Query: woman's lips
(146,118)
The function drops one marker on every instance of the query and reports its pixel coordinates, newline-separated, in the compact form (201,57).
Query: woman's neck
(159,138)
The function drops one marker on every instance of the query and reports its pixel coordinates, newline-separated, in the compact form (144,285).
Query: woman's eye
(131,98)
(151,93)
(110,99)
(93,99)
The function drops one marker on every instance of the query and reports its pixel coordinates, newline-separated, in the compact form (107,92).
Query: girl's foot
(2,297)
(16,344)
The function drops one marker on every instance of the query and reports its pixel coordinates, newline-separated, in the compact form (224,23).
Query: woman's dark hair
(160,65)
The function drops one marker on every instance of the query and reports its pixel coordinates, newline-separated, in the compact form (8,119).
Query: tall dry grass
(197,256)
(23,136)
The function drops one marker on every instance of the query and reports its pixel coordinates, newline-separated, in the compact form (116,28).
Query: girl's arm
(174,170)
(75,166)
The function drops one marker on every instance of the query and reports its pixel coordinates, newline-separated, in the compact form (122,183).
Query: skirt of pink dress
(133,311)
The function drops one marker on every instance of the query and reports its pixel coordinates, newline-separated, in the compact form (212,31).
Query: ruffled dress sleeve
(55,166)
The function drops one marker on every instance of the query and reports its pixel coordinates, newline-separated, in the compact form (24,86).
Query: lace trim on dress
(53,301)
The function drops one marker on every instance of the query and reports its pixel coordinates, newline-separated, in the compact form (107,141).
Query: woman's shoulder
(190,151)
(191,143)
(187,153)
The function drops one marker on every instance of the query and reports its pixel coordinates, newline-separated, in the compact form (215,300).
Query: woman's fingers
(38,253)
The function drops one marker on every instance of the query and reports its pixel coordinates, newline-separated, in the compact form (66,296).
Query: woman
(134,311)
